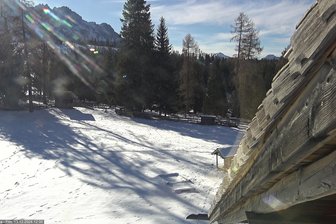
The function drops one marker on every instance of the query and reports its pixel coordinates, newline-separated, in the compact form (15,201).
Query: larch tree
(247,47)
(251,43)
(246,36)
(187,74)
(240,29)
(190,47)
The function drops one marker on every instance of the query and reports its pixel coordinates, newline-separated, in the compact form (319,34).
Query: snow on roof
(226,152)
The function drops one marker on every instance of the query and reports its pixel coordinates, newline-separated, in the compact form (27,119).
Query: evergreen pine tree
(135,79)
(10,89)
(162,44)
(164,80)
(215,99)
(137,29)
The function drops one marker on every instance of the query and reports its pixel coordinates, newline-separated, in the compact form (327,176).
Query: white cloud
(215,47)
(268,15)
(221,37)
(112,1)
(275,19)
(122,1)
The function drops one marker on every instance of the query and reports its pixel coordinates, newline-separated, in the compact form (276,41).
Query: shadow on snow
(211,133)
(45,134)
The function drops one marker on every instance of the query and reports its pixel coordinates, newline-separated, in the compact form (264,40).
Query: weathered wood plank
(311,182)
(270,106)
(262,119)
(305,16)
(281,71)
(325,108)
(282,146)
(304,58)
(266,161)
(308,36)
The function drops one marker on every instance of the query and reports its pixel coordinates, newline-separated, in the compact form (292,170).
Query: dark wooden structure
(65,99)
(208,119)
(286,162)
(120,111)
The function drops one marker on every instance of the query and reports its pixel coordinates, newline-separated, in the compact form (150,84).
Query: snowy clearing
(87,166)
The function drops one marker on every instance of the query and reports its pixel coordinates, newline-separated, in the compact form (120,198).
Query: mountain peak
(220,55)
(67,12)
(270,57)
(74,28)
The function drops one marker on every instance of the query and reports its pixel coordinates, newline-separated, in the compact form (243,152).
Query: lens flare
(46,26)
(30,19)
(72,47)
(51,14)
(66,23)
(71,19)
(274,202)
(46,11)
(76,61)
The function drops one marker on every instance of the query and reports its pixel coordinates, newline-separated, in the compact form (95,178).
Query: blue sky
(208,21)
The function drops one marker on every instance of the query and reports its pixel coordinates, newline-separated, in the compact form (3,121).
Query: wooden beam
(282,153)
(310,183)
(255,218)
(198,217)
(322,211)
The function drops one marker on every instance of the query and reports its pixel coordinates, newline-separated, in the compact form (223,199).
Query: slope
(84,166)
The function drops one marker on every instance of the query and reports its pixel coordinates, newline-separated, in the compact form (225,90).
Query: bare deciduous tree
(246,36)
(187,79)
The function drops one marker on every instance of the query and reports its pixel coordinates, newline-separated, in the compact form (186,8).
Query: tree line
(144,73)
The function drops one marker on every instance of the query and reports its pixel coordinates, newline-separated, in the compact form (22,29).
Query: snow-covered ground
(87,166)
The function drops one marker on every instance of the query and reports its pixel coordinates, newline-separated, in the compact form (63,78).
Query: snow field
(86,166)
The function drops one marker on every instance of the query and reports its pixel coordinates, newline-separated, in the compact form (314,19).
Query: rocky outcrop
(288,150)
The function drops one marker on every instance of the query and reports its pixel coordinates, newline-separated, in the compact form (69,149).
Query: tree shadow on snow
(211,133)
(147,147)
(46,135)
(77,115)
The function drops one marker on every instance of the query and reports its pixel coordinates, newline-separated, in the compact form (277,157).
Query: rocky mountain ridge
(74,28)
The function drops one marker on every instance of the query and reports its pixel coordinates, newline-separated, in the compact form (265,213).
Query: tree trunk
(27,70)
(44,78)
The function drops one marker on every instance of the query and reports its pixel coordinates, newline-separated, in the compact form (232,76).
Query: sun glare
(45,30)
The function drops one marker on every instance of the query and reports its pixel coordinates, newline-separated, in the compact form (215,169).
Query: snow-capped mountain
(220,55)
(270,57)
(73,27)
